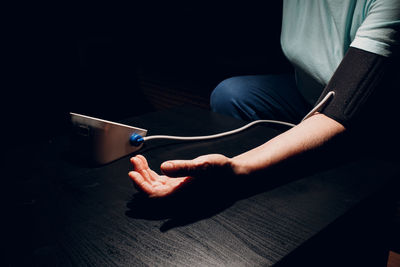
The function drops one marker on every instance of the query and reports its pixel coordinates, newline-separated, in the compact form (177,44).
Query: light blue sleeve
(379,33)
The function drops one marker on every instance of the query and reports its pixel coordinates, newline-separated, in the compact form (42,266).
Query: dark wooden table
(64,213)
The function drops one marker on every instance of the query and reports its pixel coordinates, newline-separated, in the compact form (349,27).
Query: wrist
(239,166)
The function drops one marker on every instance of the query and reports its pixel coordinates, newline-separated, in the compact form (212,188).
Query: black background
(89,58)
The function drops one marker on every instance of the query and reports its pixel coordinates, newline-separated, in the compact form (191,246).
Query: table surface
(67,213)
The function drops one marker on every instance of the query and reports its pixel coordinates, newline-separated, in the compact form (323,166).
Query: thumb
(178,168)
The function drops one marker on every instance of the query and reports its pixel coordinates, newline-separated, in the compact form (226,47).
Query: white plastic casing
(102,141)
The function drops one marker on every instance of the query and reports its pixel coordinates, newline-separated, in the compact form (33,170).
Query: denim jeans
(256,97)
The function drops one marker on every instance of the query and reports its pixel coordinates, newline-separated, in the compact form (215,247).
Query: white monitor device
(102,141)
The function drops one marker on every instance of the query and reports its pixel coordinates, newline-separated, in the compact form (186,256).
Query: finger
(178,168)
(139,167)
(143,160)
(141,182)
(144,169)
(136,163)
(148,175)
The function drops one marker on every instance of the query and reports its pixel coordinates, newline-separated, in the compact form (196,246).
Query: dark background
(104,59)
(112,61)
(95,58)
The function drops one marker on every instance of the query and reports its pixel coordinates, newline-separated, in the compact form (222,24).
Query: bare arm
(308,135)
(355,80)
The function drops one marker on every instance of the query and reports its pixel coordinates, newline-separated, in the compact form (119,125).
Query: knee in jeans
(226,93)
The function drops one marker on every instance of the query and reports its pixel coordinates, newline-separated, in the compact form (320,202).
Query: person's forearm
(308,135)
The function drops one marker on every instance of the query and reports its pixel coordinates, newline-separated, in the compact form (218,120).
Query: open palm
(150,182)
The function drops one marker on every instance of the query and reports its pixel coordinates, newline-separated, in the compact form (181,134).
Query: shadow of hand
(193,204)
(189,191)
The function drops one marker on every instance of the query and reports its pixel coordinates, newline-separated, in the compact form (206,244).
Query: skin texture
(306,136)
(150,182)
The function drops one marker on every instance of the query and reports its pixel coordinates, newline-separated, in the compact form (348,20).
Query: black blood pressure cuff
(354,83)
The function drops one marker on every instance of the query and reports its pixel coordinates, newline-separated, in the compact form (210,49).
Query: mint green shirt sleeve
(379,32)
(316,35)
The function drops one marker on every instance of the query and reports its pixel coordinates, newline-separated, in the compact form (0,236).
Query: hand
(178,173)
